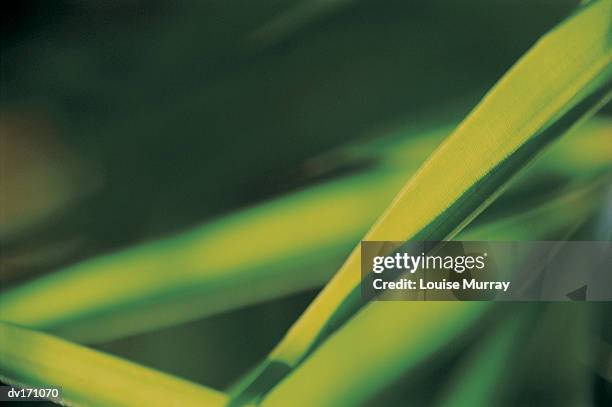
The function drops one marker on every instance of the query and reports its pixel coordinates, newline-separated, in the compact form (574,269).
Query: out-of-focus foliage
(210,275)
(188,118)
(277,133)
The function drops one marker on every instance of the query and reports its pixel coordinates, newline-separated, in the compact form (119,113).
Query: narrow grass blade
(346,372)
(293,19)
(90,378)
(182,278)
(477,379)
(215,267)
(555,217)
(563,78)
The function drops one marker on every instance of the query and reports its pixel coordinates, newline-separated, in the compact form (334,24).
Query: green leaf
(215,267)
(562,79)
(192,275)
(556,217)
(373,350)
(296,17)
(90,378)
(476,381)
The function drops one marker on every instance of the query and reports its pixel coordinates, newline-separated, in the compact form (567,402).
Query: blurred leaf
(476,381)
(326,83)
(217,266)
(211,269)
(372,350)
(296,17)
(562,79)
(91,378)
(200,273)
(558,216)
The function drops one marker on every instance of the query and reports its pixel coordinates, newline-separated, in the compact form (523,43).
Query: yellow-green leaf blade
(90,378)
